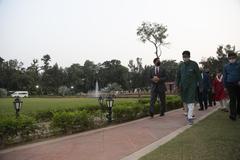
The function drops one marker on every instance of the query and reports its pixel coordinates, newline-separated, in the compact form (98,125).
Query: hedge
(47,115)
(141,109)
(69,122)
(23,128)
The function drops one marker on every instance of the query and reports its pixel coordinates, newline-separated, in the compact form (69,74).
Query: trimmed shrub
(23,127)
(47,115)
(3,92)
(134,111)
(44,115)
(70,122)
(143,100)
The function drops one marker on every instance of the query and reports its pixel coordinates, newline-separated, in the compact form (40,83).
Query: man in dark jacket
(158,88)
(231,79)
(204,92)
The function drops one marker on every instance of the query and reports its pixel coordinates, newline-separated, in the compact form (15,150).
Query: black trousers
(202,97)
(162,97)
(234,95)
(210,97)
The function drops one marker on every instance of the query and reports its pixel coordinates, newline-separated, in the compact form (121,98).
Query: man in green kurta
(188,77)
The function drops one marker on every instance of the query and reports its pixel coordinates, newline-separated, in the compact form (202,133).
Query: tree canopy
(154,33)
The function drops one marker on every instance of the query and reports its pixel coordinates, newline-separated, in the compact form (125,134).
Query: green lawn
(35,104)
(214,138)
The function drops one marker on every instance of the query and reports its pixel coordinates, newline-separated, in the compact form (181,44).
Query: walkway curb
(142,152)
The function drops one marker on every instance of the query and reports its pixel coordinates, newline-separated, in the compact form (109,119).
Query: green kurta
(188,77)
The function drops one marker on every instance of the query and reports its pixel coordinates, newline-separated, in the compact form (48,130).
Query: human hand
(155,79)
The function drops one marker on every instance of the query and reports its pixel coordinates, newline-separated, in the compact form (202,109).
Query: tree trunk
(156,52)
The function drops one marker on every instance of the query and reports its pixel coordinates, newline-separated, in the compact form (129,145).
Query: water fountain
(96,89)
(94,93)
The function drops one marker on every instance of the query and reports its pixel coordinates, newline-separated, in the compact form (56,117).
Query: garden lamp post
(101,103)
(109,102)
(17,103)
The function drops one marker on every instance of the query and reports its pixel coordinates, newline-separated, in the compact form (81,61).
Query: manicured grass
(214,138)
(31,105)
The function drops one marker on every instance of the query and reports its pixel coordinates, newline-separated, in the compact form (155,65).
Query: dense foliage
(77,79)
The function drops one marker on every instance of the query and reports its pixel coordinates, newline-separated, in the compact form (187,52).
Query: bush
(143,101)
(47,115)
(72,121)
(126,113)
(23,127)
(44,115)
(3,92)
(132,111)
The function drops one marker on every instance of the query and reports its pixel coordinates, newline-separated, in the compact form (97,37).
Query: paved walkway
(111,143)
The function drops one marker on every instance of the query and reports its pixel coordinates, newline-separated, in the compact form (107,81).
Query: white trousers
(190,107)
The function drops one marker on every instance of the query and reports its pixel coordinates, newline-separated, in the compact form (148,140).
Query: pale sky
(72,31)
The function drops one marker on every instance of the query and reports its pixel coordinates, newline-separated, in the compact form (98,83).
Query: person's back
(232,73)
(231,77)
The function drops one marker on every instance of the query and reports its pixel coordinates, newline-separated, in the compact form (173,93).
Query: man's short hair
(155,59)
(187,53)
(232,54)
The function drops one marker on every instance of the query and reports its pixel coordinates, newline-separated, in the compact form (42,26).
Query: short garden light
(17,103)
(109,102)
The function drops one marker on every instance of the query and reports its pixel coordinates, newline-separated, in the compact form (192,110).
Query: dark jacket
(205,81)
(231,73)
(160,86)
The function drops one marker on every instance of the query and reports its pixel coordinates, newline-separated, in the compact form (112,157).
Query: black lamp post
(101,103)
(17,103)
(109,102)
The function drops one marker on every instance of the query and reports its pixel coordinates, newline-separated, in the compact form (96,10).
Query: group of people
(198,86)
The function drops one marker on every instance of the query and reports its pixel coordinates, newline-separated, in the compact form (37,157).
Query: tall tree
(46,59)
(153,33)
(89,69)
(136,74)
(112,71)
(75,77)
(171,69)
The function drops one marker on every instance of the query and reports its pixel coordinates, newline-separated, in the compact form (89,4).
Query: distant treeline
(48,79)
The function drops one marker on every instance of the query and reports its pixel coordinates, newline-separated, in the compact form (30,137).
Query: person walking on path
(204,92)
(231,79)
(158,88)
(219,92)
(210,93)
(188,76)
